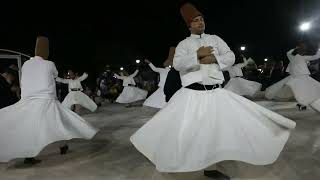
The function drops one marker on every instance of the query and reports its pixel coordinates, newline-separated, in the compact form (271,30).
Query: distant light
(121,69)
(265,59)
(170,66)
(137,61)
(305,26)
(242,48)
(260,70)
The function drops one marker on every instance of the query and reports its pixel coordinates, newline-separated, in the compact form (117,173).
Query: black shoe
(301,107)
(64,149)
(216,175)
(31,161)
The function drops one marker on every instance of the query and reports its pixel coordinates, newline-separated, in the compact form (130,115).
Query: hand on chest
(197,43)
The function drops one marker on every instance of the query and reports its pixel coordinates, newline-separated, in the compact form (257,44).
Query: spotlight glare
(305,26)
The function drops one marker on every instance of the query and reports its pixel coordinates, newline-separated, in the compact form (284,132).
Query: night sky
(88,35)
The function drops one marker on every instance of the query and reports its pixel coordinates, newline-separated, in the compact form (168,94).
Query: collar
(38,58)
(196,36)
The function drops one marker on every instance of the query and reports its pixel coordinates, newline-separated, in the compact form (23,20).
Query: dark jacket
(7,97)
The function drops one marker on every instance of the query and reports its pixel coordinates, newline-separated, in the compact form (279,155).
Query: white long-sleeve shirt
(163,74)
(127,80)
(236,70)
(298,64)
(191,71)
(37,80)
(73,83)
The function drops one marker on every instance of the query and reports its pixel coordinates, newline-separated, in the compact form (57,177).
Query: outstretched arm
(244,64)
(314,57)
(118,77)
(83,77)
(61,80)
(134,74)
(155,69)
(290,55)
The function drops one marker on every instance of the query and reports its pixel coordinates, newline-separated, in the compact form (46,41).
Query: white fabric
(131,94)
(38,119)
(299,84)
(201,128)
(251,61)
(316,105)
(303,88)
(243,87)
(73,83)
(186,62)
(78,97)
(236,70)
(298,64)
(31,124)
(163,72)
(156,100)
(127,80)
(43,83)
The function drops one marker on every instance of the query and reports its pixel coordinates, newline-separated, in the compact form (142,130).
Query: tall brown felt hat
(189,12)
(42,47)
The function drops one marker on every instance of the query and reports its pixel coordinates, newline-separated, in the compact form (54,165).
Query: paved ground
(110,155)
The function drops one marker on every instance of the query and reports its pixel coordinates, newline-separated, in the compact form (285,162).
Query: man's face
(197,26)
(71,74)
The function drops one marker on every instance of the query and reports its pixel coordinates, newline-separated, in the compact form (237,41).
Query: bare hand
(208,59)
(147,61)
(204,51)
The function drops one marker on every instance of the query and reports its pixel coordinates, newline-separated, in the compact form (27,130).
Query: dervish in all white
(130,93)
(238,84)
(38,119)
(75,95)
(204,124)
(299,84)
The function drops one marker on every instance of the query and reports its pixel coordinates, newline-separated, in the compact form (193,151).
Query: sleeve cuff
(220,63)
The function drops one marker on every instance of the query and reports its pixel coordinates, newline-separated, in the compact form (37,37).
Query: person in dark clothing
(7,91)
(172,84)
(277,73)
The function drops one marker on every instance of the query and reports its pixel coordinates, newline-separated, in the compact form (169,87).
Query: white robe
(239,85)
(299,84)
(130,93)
(38,119)
(77,97)
(200,128)
(158,98)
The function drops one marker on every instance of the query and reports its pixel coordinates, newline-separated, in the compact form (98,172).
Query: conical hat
(42,47)
(189,12)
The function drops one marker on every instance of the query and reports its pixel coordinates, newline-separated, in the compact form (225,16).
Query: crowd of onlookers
(107,87)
